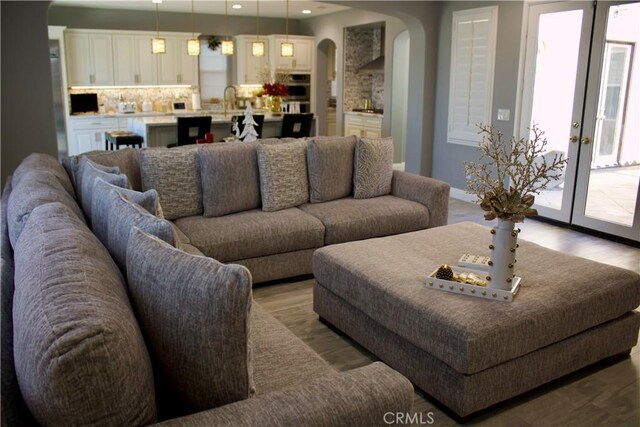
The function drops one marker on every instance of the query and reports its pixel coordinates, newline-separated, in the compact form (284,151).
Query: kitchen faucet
(231,101)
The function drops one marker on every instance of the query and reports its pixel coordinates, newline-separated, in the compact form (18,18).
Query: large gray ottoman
(470,353)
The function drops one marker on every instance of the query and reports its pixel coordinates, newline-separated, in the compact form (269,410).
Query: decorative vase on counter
(275,104)
(503,255)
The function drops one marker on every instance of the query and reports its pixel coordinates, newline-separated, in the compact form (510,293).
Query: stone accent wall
(361,46)
(161,98)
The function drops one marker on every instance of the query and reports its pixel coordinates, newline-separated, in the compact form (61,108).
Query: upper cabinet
(176,66)
(121,58)
(247,66)
(302,59)
(89,58)
(134,64)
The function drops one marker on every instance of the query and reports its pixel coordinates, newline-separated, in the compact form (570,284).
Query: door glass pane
(615,163)
(554,87)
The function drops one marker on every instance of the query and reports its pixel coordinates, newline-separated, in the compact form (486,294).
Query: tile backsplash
(361,46)
(161,98)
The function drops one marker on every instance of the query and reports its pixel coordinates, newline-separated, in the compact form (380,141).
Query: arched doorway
(326,76)
(400,96)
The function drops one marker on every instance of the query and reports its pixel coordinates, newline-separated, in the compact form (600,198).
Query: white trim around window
(473,49)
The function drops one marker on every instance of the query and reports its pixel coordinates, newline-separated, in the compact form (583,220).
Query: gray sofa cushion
(355,219)
(123,215)
(373,167)
(230,178)
(283,175)
(195,314)
(13,411)
(330,161)
(126,160)
(89,171)
(253,233)
(79,165)
(36,188)
(175,175)
(100,209)
(80,357)
(44,162)
(288,363)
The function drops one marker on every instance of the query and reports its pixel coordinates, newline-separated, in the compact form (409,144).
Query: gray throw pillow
(330,161)
(37,187)
(230,178)
(373,167)
(89,171)
(44,162)
(123,215)
(283,175)
(175,175)
(100,209)
(194,313)
(79,355)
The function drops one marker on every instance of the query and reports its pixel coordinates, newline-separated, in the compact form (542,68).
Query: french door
(582,87)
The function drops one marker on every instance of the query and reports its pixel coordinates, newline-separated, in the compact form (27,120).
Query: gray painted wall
(332,27)
(115,19)
(448,159)
(27,102)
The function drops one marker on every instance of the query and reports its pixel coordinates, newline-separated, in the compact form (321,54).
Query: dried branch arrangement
(518,166)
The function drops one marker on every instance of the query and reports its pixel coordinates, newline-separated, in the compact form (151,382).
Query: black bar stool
(116,138)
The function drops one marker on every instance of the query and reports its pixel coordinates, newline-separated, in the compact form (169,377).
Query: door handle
(573,138)
(586,140)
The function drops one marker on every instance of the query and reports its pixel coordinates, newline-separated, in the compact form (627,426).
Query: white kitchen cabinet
(176,66)
(133,64)
(331,123)
(367,126)
(89,58)
(247,66)
(88,133)
(302,59)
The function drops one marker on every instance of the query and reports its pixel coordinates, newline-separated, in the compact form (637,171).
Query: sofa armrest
(357,397)
(432,193)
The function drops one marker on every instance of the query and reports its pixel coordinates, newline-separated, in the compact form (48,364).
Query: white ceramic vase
(503,255)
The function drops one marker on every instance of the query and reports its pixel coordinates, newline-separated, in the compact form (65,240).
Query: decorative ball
(444,272)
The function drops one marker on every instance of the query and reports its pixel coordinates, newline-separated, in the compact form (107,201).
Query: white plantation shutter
(473,46)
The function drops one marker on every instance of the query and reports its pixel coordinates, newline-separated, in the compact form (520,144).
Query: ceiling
(268,8)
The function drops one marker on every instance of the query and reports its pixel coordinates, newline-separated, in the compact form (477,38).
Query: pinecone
(444,272)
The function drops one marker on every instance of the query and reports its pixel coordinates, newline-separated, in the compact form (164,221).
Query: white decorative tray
(472,290)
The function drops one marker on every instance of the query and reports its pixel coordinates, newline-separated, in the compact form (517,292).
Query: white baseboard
(398,166)
(459,194)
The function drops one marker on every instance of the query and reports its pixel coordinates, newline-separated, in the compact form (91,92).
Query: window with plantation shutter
(473,45)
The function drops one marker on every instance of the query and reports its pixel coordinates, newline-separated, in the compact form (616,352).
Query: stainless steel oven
(300,91)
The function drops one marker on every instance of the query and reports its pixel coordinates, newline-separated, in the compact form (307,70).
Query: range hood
(374,67)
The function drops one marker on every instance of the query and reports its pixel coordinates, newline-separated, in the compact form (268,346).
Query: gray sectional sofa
(111,315)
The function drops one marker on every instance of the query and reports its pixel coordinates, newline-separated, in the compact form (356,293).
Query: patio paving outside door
(582,87)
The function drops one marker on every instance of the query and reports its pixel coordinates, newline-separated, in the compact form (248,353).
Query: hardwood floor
(607,394)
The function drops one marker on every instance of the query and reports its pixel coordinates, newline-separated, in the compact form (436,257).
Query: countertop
(140,114)
(362,114)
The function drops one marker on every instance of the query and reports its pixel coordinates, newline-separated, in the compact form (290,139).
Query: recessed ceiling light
(306,11)
(236,6)
(156,1)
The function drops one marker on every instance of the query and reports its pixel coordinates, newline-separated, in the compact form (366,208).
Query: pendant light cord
(157,23)
(226,19)
(258,19)
(193,22)
(287,22)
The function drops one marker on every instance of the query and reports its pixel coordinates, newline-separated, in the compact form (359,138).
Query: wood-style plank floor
(607,394)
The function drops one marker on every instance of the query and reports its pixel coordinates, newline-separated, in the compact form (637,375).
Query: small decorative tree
(249,132)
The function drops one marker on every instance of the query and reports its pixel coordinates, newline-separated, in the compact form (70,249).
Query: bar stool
(116,138)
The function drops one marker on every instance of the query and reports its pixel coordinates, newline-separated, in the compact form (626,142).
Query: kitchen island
(161,131)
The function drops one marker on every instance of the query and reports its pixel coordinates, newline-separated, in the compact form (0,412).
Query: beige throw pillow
(283,175)
(373,167)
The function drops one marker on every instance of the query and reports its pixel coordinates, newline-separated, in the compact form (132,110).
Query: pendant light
(286,48)
(193,44)
(227,43)
(257,47)
(157,44)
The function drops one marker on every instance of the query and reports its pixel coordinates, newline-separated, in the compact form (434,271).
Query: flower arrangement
(275,89)
(506,181)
